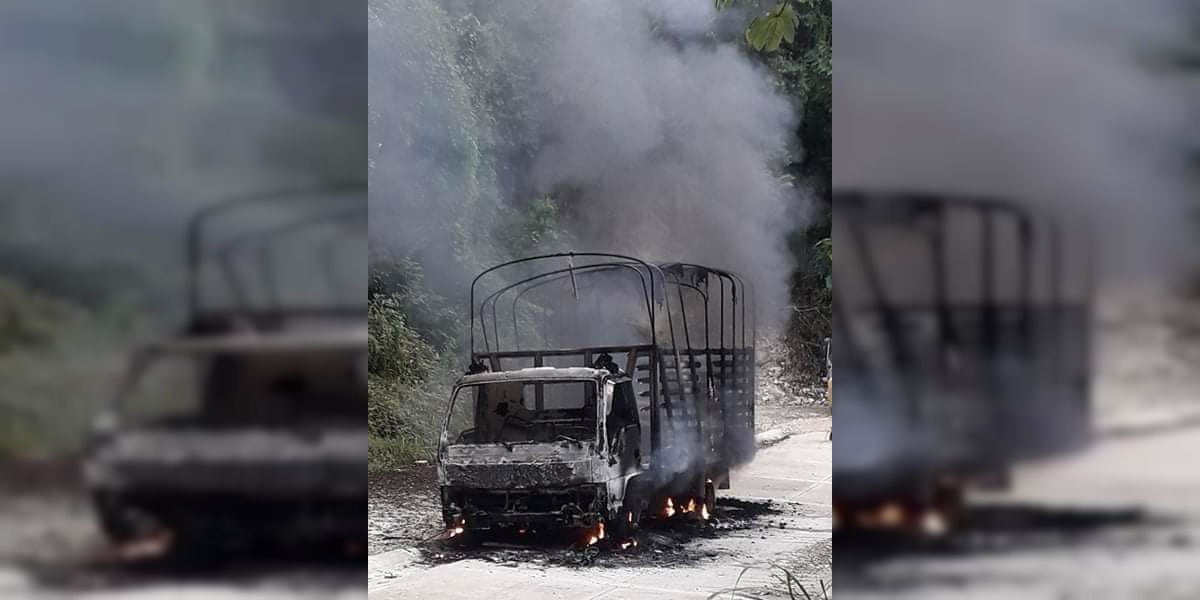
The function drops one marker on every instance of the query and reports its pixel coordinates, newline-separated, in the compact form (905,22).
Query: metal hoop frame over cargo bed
(302,210)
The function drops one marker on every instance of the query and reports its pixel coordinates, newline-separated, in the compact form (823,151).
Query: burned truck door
(622,426)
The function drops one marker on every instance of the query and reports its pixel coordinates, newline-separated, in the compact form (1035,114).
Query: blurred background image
(1015,200)
(120,122)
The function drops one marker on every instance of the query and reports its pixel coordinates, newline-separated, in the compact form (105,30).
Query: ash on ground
(43,512)
(404,513)
(997,529)
(403,509)
(660,542)
(48,533)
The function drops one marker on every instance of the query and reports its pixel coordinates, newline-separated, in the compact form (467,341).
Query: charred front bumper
(224,485)
(481,508)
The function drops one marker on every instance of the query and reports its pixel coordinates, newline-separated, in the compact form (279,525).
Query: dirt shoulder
(402,508)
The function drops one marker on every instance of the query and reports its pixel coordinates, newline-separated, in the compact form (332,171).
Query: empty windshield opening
(515,412)
(259,389)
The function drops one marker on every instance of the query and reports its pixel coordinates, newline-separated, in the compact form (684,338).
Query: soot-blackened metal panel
(493,475)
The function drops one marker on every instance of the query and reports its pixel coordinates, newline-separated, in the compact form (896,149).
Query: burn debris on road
(50,535)
(997,529)
(660,542)
(99,570)
(402,507)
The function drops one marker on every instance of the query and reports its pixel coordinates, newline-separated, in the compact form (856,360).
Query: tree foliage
(28,319)
(767,32)
(794,39)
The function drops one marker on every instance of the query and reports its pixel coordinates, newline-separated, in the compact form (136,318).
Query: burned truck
(249,425)
(601,389)
(962,328)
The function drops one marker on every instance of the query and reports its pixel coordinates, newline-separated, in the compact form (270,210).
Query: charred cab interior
(524,412)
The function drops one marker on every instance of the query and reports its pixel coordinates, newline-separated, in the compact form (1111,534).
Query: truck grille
(516,476)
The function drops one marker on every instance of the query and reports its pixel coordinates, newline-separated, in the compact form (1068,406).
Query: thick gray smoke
(1068,105)
(658,138)
(119,119)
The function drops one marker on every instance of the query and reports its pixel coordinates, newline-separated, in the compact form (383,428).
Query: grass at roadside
(404,419)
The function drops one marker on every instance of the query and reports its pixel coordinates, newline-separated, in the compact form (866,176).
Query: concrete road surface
(794,473)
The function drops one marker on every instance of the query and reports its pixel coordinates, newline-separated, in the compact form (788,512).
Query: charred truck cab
(541,446)
(611,389)
(248,426)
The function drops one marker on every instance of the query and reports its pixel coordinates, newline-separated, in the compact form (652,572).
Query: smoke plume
(654,131)
(1074,108)
(1066,105)
(119,119)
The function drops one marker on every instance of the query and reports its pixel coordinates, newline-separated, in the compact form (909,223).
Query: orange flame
(670,510)
(458,529)
(704,511)
(891,515)
(597,535)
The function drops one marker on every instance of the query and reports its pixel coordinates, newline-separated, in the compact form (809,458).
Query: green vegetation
(50,367)
(414,351)
(28,319)
(410,363)
(794,39)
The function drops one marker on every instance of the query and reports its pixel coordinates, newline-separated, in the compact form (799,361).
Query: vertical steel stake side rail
(262,241)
